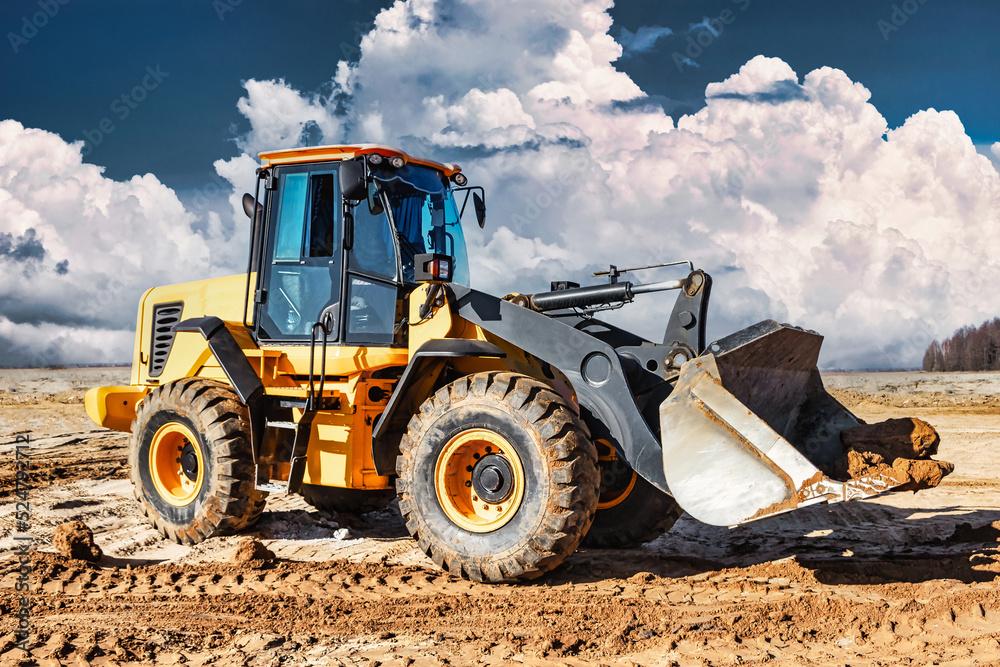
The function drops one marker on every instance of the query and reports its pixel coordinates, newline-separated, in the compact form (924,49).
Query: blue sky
(833,165)
(66,77)
(944,55)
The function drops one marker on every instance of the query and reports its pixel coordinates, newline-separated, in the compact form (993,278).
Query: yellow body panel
(113,407)
(341,360)
(438,325)
(221,297)
(340,451)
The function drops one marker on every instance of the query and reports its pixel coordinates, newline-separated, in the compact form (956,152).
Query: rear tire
(191,463)
(355,501)
(497,478)
(630,510)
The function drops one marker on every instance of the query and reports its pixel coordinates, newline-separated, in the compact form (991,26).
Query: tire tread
(572,460)
(232,501)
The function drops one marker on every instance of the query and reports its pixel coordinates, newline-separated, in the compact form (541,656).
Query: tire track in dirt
(913,581)
(728,615)
(68,457)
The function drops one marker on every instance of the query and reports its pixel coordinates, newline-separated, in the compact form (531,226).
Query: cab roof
(340,153)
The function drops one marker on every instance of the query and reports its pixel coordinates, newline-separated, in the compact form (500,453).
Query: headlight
(397,161)
(374,158)
(459,179)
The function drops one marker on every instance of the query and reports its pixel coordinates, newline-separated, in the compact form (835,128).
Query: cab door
(303,262)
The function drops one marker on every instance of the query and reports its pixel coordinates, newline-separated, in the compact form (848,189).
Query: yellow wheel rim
(615,492)
(479,480)
(176,465)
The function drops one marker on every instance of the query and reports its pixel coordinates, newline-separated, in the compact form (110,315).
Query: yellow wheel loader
(353,363)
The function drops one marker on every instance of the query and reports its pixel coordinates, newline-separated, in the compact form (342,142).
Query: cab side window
(372,290)
(373,252)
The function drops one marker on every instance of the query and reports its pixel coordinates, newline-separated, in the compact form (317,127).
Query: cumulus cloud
(279,115)
(78,249)
(762,80)
(791,189)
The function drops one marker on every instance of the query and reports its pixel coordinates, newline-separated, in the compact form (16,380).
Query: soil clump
(251,552)
(899,449)
(75,540)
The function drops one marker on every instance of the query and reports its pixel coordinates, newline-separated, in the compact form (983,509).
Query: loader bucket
(749,424)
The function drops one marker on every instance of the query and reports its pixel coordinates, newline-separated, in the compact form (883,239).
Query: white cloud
(792,191)
(643,39)
(760,74)
(81,249)
(278,115)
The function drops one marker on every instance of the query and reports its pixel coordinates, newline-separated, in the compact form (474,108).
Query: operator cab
(345,261)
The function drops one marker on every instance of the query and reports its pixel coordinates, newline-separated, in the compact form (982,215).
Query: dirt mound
(899,449)
(74,539)
(251,552)
(909,474)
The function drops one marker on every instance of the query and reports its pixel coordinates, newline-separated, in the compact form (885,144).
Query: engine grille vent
(165,316)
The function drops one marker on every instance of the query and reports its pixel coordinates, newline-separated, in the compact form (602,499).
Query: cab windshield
(426,217)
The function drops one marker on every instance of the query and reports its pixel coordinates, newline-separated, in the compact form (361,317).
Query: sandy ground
(905,579)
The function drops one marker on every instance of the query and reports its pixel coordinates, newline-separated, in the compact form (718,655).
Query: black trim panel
(165,316)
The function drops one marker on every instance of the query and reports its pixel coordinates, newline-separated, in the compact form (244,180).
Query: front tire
(630,510)
(497,478)
(191,463)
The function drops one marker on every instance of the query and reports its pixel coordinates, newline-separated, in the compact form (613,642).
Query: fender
(228,353)
(237,368)
(425,364)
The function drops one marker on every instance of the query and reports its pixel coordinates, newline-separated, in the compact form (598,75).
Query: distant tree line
(969,349)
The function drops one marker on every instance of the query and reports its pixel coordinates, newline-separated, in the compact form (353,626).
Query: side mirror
(251,206)
(480,207)
(375,206)
(351,175)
